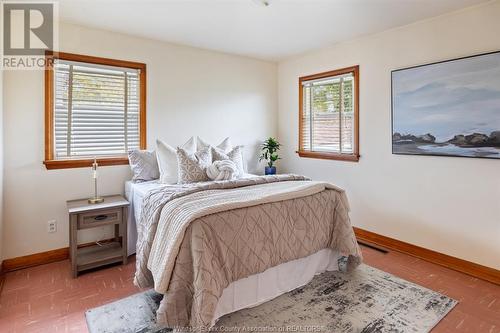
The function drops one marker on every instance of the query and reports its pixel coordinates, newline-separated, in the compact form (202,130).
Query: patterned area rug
(367,300)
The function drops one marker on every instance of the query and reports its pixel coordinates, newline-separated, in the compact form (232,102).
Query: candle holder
(96,199)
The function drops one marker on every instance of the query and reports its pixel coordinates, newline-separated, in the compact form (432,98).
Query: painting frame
(458,59)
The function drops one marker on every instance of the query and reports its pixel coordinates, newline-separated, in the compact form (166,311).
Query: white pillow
(236,155)
(144,165)
(225,145)
(167,160)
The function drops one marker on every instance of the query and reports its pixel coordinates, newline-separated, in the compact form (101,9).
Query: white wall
(447,204)
(189,92)
(1,166)
(451,205)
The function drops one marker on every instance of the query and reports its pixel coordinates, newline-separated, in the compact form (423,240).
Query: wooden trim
(142,109)
(42,258)
(329,156)
(476,270)
(2,277)
(49,108)
(50,162)
(95,60)
(66,164)
(36,259)
(354,157)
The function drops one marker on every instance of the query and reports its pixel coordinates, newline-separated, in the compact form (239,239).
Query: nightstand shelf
(82,215)
(98,255)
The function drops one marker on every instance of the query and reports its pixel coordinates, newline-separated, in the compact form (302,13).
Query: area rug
(366,300)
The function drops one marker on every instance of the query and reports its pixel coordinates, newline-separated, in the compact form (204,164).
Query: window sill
(329,156)
(85,163)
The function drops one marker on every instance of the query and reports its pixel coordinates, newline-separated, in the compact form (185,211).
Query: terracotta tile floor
(47,299)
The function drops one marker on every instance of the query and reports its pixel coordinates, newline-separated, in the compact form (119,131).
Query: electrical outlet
(52,226)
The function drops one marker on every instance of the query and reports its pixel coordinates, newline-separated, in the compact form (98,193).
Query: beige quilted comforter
(194,240)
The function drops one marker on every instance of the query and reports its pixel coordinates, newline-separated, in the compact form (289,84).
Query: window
(94,108)
(328,123)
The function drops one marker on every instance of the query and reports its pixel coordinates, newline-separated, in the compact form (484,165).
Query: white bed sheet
(135,192)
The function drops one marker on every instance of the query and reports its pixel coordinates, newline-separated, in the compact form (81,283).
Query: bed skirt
(275,281)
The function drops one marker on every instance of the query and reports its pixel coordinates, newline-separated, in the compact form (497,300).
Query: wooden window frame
(52,163)
(354,156)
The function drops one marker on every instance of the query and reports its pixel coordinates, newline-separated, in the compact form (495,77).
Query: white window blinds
(328,114)
(96,110)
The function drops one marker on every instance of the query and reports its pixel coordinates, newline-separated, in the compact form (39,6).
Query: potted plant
(270,149)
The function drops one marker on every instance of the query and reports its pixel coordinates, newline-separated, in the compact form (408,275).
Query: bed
(135,193)
(213,248)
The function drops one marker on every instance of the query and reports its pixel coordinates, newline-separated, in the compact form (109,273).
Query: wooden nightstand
(82,215)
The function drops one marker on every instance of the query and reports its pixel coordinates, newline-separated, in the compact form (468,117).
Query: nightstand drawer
(97,218)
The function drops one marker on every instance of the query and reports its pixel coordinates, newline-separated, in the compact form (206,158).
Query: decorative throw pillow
(235,155)
(144,165)
(222,170)
(225,145)
(167,160)
(192,166)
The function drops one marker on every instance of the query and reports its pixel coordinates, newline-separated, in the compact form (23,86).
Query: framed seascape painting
(450,108)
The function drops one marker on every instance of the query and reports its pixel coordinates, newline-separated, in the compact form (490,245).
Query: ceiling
(246,27)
